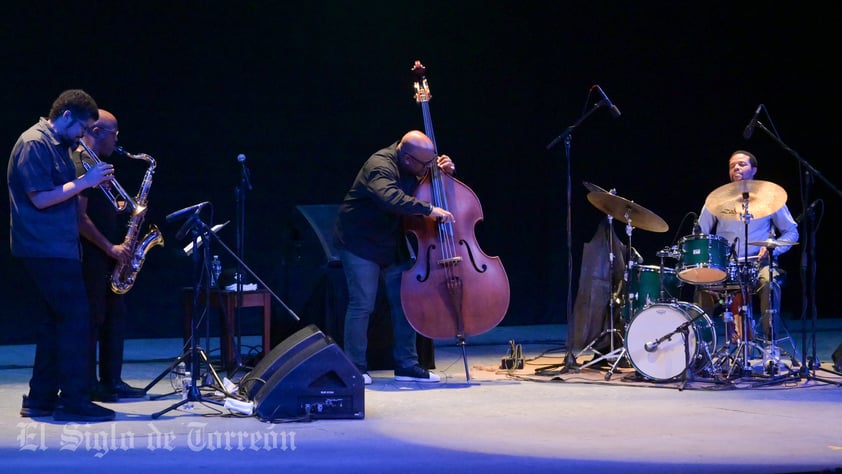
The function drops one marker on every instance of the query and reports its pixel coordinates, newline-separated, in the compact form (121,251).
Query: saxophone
(125,274)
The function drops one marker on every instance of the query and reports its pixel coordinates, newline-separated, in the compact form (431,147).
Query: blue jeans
(363,278)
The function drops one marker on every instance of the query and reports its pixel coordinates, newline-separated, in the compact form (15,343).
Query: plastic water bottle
(216,270)
(185,394)
(178,382)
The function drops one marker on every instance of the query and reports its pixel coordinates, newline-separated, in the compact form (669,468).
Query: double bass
(453,290)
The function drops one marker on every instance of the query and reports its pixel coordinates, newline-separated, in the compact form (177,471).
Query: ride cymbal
(620,208)
(772,243)
(764,198)
(594,188)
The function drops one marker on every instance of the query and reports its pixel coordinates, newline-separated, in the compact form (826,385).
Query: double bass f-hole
(453,289)
(449,261)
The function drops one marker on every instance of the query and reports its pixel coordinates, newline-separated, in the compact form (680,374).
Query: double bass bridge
(450,262)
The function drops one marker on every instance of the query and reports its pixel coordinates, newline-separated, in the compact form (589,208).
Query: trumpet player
(102,230)
(43,189)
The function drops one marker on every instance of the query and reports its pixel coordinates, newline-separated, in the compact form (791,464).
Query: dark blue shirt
(40,161)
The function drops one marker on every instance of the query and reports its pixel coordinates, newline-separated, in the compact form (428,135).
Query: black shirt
(369,219)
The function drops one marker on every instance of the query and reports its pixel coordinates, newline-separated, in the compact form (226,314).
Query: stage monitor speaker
(305,337)
(318,381)
(319,219)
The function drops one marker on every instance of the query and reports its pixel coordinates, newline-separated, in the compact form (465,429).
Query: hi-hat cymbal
(773,244)
(594,188)
(764,198)
(620,208)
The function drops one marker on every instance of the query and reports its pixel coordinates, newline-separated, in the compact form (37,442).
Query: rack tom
(703,259)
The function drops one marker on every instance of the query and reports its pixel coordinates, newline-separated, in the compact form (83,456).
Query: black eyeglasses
(425,164)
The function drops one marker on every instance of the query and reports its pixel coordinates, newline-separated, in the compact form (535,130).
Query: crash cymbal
(773,244)
(618,208)
(764,198)
(594,188)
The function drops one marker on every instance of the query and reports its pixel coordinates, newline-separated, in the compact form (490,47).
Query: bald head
(102,137)
(418,145)
(106,120)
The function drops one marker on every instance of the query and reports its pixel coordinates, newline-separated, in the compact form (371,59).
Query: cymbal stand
(741,354)
(615,354)
(773,352)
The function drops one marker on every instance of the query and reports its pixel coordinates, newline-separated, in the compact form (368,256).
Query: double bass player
(369,237)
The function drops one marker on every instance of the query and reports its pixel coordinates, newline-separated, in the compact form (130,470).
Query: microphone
(242,159)
(697,229)
(636,256)
(615,112)
(749,130)
(651,346)
(810,210)
(734,247)
(194,209)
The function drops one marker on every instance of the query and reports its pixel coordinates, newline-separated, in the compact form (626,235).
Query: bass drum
(667,360)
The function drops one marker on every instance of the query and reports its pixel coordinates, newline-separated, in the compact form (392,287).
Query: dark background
(308,91)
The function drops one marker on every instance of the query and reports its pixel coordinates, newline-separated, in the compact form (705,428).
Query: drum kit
(668,339)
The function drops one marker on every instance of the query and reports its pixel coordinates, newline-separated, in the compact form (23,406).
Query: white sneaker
(366,378)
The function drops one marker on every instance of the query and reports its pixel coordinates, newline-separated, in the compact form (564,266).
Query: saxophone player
(103,247)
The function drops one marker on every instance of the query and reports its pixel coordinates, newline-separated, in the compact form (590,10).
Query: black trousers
(63,317)
(107,320)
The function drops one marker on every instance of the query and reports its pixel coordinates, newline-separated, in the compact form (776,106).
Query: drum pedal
(514,359)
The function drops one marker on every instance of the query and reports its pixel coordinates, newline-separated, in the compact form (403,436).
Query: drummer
(779,225)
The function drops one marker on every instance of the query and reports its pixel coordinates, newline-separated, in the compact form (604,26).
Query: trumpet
(123,201)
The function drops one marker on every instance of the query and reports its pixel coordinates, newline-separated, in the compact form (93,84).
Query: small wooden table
(227,301)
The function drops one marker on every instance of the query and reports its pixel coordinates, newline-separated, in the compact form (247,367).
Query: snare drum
(645,286)
(667,359)
(738,274)
(703,260)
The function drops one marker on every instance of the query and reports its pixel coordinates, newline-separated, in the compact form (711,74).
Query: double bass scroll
(454,289)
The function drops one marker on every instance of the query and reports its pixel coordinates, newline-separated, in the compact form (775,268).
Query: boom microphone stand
(233,255)
(808,252)
(193,394)
(566,135)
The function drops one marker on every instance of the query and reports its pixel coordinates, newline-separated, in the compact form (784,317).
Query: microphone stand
(808,267)
(683,328)
(566,135)
(240,197)
(202,278)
